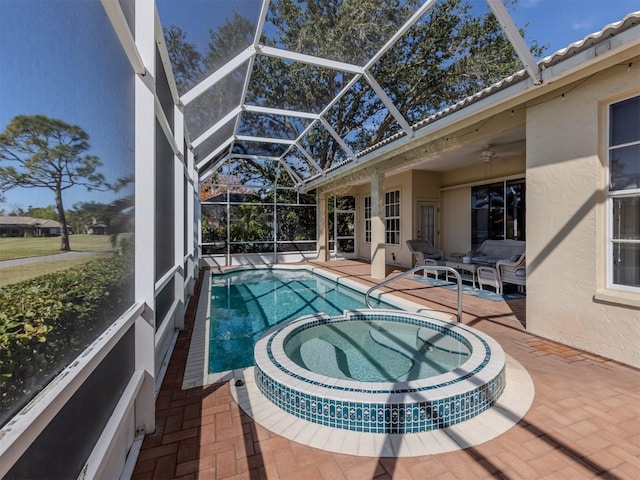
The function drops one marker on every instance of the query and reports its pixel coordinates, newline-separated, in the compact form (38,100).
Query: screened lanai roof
(310,86)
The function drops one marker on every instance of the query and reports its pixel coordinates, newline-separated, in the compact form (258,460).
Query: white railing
(433,268)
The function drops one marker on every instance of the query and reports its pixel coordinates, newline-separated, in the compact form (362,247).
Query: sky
(61,58)
(558,23)
(552,23)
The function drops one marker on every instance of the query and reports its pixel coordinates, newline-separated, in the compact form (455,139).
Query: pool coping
(510,408)
(196,369)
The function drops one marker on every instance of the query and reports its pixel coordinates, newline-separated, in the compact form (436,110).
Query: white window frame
(367,219)
(611,196)
(392,206)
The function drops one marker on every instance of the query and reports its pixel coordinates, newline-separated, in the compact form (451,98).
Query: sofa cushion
(484,259)
(499,250)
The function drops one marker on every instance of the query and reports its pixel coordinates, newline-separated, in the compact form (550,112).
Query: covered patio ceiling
(315,86)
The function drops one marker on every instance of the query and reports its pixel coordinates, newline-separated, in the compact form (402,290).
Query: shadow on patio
(584,421)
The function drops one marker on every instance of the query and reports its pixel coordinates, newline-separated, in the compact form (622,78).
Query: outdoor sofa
(501,262)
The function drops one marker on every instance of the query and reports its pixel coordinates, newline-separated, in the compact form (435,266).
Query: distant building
(97,228)
(13,226)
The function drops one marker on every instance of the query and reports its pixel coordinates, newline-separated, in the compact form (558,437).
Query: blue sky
(61,59)
(555,23)
(558,23)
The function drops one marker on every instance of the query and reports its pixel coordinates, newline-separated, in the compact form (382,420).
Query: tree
(43,152)
(47,213)
(449,54)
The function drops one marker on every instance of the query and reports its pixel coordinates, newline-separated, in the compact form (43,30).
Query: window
(623,195)
(498,212)
(367,219)
(392,217)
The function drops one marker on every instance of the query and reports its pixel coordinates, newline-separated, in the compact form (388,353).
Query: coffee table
(467,271)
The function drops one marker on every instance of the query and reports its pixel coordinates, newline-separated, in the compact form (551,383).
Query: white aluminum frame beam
(166,128)
(166,61)
(309,158)
(218,125)
(309,59)
(241,156)
(121,27)
(280,111)
(249,138)
(294,175)
(261,21)
(218,75)
(214,153)
(211,170)
(518,43)
(393,110)
(338,139)
(400,32)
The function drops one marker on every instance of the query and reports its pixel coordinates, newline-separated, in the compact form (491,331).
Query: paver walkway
(584,421)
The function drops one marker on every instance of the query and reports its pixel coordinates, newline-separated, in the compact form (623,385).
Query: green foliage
(47,213)
(41,152)
(452,52)
(185,59)
(48,321)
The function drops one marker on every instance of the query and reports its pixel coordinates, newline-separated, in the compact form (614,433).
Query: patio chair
(426,254)
(513,272)
(489,276)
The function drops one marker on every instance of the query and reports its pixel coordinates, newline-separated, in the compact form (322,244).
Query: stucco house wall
(566,222)
(456,224)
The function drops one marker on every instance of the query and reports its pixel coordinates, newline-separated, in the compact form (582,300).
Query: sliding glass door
(498,212)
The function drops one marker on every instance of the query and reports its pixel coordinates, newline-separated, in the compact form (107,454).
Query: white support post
(321,222)
(145,251)
(378,263)
(179,223)
(193,188)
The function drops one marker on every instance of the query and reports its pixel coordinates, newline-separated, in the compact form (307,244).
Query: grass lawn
(22,273)
(22,247)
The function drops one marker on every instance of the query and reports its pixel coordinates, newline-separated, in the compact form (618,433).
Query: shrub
(47,321)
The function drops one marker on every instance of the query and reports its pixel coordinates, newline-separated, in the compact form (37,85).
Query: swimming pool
(247,303)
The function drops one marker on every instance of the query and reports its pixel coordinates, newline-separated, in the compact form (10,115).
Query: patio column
(321,221)
(378,265)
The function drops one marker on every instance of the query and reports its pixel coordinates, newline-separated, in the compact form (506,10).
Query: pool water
(245,304)
(375,351)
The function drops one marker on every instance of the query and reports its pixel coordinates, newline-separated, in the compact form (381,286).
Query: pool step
(441,341)
(322,357)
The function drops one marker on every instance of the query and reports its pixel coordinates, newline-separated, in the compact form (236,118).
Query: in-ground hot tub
(379,371)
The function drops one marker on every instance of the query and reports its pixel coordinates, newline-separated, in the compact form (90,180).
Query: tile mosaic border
(508,410)
(415,406)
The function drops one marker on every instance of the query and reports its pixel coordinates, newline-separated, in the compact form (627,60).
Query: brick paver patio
(584,421)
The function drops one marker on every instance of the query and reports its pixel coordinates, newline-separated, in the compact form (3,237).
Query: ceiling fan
(487,154)
(498,151)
